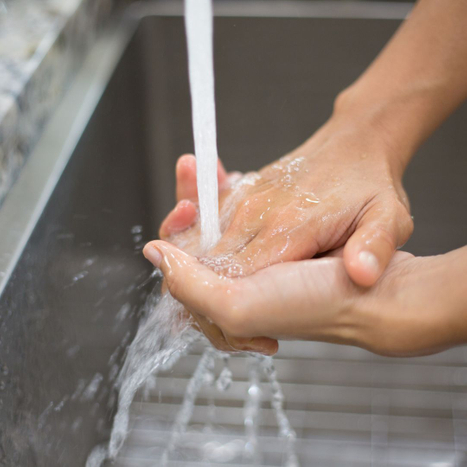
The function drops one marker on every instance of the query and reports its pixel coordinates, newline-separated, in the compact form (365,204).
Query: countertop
(41,46)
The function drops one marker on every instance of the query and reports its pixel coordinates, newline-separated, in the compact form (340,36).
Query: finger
(263,345)
(369,250)
(180,218)
(271,246)
(186,177)
(232,177)
(337,253)
(185,174)
(222,176)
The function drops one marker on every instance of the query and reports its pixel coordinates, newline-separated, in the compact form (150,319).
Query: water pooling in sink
(166,334)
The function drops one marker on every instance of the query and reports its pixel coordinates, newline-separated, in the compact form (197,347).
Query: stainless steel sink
(101,180)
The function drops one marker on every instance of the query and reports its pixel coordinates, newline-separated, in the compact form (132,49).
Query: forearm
(418,79)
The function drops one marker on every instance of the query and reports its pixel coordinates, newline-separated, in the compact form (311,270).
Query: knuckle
(243,209)
(404,221)
(407,223)
(249,205)
(407,228)
(163,235)
(385,234)
(396,224)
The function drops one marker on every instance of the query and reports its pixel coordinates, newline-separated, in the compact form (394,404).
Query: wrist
(418,307)
(383,119)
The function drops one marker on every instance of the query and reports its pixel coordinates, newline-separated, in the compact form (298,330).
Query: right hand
(342,187)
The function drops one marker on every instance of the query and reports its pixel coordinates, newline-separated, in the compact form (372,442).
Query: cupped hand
(175,225)
(341,187)
(415,308)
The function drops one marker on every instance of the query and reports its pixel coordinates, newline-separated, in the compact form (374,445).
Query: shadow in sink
(73,296)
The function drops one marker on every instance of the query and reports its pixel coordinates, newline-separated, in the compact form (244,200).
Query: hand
(178,220)
(417,307)
(342,186)
(185,212)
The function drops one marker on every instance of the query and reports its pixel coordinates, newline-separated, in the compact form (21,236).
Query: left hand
(417,307)
(174,226)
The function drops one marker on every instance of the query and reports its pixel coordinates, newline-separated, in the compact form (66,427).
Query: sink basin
(101,180)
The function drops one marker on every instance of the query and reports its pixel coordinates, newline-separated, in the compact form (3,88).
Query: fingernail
(369,261)
(153,254)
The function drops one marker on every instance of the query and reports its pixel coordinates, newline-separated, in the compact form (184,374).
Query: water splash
(162,338)
(224,381)
(285,429)
(252,411)
(205,366)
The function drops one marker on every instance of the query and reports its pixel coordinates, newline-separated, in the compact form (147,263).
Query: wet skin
(416,308)
(311,201)
(340,190)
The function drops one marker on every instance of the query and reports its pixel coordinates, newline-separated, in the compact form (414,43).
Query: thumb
(185,176)
(369,250)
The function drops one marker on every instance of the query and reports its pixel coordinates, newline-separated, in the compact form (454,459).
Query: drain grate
(347,406)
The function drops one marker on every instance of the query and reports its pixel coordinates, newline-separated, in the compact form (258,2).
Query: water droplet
(225,379)
(80,276)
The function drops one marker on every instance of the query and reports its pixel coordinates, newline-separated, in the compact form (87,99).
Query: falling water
(166,334)
(285,430)
(162,338)
(252,411)
(205,366)
(199,32)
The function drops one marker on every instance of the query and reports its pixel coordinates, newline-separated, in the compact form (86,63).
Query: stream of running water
(199,33)
(165,334)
